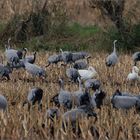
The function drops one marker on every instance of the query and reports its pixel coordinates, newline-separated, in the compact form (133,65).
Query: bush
(128,40)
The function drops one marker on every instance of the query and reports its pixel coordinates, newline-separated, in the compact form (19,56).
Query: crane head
(9,39)
(61,50)
(115,41)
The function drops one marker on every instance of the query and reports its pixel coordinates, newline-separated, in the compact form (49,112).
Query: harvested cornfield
(19,123)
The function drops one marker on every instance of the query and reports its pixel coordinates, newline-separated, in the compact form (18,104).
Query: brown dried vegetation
(18,123)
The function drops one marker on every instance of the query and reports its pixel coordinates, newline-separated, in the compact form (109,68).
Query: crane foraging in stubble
(136,57)
(30,58)
(3,102)
(54,59)
(12,54)
(34,95)
(126,101)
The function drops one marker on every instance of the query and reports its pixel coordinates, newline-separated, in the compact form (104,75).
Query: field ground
(18,123)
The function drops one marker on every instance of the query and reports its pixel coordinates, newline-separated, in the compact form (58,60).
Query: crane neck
(34,57)
(114,47)
(9,45)
(25,52)
(61,50)
(80,85)
(87,60)
(61,84)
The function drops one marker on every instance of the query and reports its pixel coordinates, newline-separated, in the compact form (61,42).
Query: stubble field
(112,124)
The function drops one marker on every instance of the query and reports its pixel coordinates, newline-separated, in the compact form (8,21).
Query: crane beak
(89,56)
(47,65)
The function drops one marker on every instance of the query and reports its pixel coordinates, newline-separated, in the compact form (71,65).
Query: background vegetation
(51,29)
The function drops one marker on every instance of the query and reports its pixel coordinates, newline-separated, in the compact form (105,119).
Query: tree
(111,8)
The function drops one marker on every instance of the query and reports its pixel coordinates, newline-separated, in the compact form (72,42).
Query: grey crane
(98,98)
(95,101)
(18,52)
(51,113)
(30,58)
(119,93)
(95,133)
(34,70)
(66,56)
(73,116)
(72,74)
(64,97)
(77,94)
(124,93)
(54,59)
(82,64)
(69,57)
(3,103)
(86,99)
(124,101)
(112,59)
(18,65)
(93,84)
(12,54)
(79,55)
(136,57)
(5,70)
(55,100)
(34,95)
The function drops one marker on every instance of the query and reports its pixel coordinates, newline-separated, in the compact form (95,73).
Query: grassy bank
(75,37)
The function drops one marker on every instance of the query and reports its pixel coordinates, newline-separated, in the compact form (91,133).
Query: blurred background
(89,25)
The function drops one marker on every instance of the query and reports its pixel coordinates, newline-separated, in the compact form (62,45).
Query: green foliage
(51,30)
(128,40)
(81,31)
(2,27)
(135,33)
(74,37)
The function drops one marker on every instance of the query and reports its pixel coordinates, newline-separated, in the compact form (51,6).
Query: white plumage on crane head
(115,41)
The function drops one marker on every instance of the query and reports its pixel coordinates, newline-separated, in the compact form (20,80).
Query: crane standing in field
(54,59)
(136,57)
(72,57)
(81,64)
(34,95)
(3,103)
(112,59)
(66,56)
(30,58)
(72,74)
(13,55)
(125,101)
(5,70)
(93,84)
(34,70)
(73,116)
(64,97)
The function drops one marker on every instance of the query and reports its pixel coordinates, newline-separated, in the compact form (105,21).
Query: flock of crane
(79,103)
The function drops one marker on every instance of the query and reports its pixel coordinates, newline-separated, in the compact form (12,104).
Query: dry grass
(18,123)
